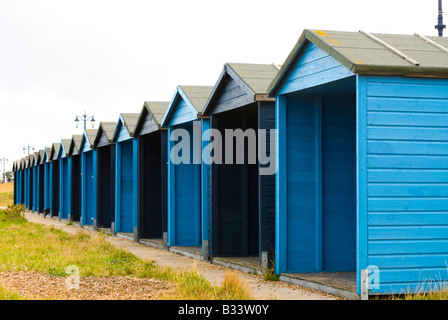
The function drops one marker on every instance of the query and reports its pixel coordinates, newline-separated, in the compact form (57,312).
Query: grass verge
(28,246)
(6,199)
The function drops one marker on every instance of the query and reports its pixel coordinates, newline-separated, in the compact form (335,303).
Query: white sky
(61,57)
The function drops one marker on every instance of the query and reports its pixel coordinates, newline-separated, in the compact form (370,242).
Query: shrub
(14,213)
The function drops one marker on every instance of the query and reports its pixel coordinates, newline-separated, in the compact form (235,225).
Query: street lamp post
(4,161)
(84,119)
(440,26)
(26,150)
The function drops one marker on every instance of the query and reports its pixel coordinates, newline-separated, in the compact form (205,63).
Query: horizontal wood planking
(123,134)
(314,67)
(183,113)
(407,175)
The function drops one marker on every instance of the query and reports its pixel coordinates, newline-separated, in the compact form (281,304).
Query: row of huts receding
(357,203)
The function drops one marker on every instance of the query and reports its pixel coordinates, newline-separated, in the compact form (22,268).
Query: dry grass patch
(43,250)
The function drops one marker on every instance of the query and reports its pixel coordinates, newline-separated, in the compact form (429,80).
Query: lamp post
(84,119)
(28,149)
(4,161)
(440,26)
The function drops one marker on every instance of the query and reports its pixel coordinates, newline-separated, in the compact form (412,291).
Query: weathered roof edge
(357,68)
(147,108)
(178,93)
(122,121)
(110,139)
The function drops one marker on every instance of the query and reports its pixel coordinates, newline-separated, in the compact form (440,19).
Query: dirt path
(215,274)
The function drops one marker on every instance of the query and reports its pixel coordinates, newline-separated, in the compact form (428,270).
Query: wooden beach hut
(75,185)
(152,174)
(126,153)
(88,178)
(242,217)
(362,150)
(183,119)
(106,175)
(64,179)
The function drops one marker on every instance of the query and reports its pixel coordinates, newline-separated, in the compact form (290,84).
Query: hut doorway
(106,186)
(235,214)
(152,222)
(76,189)
(321,179)
(55,189)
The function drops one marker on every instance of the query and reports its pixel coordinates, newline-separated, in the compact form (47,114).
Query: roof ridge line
(390,48)
(432,42)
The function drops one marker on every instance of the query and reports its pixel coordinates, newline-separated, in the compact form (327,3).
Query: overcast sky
(59,58)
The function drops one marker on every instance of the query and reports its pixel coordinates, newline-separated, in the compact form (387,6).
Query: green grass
(29,246)
(439,293)
(6,199)
(8,294)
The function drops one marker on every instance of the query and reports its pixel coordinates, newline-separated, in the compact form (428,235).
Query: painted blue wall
(18,182)
(205,186)
(183,113)
(404,196)
(88,187)
(126,182)
(124,206)
(399,135)
(312,68)
(35,188)
(64,185)
(184,196)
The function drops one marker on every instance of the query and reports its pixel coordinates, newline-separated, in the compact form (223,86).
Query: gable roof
(75,144)
(41,156)
(129,120)
(255,77)
(194,96)
(64,145)
(27,161)
(376,54)
(156,110)
(48,153)
(54,149)
(108,127)
(88,136)
(36,158)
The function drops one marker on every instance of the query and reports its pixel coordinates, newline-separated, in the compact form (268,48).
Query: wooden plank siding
(125,219)
(312,68)
(407,177)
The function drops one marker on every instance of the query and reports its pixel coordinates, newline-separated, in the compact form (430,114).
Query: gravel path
(130,288)
(35,285)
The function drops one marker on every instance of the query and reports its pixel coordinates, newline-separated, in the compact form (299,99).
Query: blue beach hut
(88,178)
(362,149)
(106,174)
(126,153)
(40,177)
(47,178)
(152,174)
(74,153)
(64,179)
(29,182)
(186,227)
(242,195)
(55,192)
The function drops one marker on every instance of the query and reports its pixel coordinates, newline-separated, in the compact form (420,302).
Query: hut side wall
(403,144)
